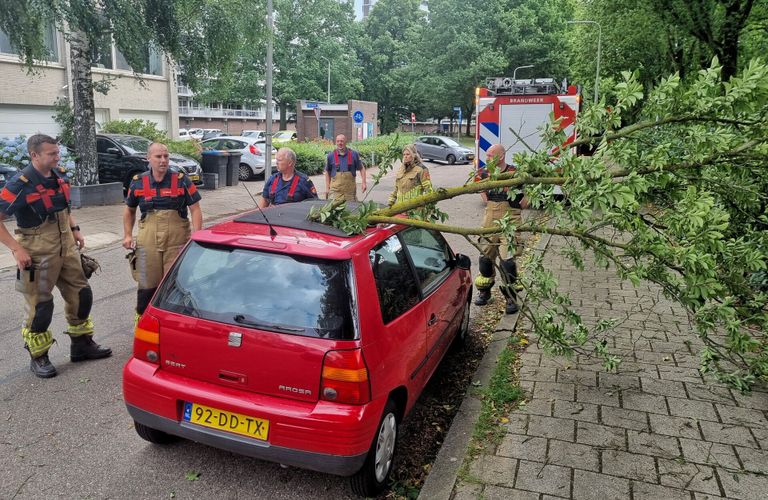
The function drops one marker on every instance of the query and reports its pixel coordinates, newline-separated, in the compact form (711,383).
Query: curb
(442,478)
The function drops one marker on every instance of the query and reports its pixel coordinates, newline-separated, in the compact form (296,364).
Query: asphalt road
(71,437)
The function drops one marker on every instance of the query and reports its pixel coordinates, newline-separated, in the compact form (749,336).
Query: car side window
(430,254)
(211,145)
(103,144)
(395,283)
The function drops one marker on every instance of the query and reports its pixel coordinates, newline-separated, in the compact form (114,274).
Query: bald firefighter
(341,168)
(497,207)
(166,198)
(46,249)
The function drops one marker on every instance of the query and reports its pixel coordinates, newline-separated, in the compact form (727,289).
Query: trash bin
(213,160)
(233,168)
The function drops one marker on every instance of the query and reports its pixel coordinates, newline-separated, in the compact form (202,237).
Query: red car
(295,343)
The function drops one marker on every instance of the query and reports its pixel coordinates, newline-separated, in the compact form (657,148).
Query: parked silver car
(252,161)
(433,147)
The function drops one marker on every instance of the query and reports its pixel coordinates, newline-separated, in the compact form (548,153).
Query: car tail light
(345,378)
(146,339)
(254,150)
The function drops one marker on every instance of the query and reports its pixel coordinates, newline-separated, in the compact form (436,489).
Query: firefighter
(412,178)
(341,167)
(46,249)
(498,205)
(287,185)
(164,196)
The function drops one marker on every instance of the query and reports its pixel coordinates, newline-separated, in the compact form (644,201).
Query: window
(430,255)
(395,283)
(101,52)
(280,293)
(49,39)
(103,144)
(107,56)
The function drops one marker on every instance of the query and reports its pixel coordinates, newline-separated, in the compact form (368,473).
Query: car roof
(295,234)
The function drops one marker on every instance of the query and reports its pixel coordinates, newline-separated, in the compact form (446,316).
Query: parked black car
(123,156)
(6,172)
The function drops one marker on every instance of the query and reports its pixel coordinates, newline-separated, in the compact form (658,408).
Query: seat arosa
(292,342)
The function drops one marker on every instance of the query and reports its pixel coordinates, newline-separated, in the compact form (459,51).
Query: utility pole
(329,78)
(268,145)
(599,44)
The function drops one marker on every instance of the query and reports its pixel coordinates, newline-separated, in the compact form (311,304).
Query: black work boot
(84,348)
(41,366)
(483,296)
(511,306)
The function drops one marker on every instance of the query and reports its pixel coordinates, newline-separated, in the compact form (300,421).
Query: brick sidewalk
(654,430)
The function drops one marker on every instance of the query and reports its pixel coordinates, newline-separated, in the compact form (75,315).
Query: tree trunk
(86,166)
(469,119)
(284,115)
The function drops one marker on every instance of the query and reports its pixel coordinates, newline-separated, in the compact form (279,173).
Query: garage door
(27,120)
(158,118)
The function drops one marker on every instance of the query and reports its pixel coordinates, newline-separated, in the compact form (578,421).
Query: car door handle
(432,320)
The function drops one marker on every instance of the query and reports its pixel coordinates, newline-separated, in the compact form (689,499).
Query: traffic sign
(457,109)
(413,117)
(312,105)
(358,116)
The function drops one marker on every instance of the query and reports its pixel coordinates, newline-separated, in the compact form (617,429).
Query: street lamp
(329,78)
(514,73)
(599,41)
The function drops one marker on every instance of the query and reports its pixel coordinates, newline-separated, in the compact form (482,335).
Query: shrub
(186,148)
(142,128)
(310,156)
(14,152)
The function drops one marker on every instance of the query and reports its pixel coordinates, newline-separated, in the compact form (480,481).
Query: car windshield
(283,135)
(134,145)
(268,291)
(451,143)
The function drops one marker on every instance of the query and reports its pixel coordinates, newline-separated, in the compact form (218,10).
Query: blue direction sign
(358,116)
(457,109)
(312,105)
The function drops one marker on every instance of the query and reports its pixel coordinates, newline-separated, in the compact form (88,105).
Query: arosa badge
(235,339)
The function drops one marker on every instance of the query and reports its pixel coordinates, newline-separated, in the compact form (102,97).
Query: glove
(90,265)
(131,257)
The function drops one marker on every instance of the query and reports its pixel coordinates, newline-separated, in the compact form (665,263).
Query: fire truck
(511,112)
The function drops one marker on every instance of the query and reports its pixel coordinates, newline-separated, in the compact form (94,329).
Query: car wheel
(152,435)
(372,478)
(245,172)
(450,159)
(460,339)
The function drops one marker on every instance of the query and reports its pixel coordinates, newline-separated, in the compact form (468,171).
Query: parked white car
(196,133)
(184,135)
(252,162)
(256,134)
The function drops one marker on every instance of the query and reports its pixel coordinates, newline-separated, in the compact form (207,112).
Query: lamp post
(599,42)
(329,78)
(268,104)
(514,73)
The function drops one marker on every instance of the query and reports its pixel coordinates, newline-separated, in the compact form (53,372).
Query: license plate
(194,177)
(257,428)
(470,157)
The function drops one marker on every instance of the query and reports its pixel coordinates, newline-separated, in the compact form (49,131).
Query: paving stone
(630,419)
(694,477)
(636,345)
(727,433)
(675,426)
(690,408)
(468,491)
(652,444)
(744,484)
(656,358)
(580,456)
(741,416)
(635,400)
(551,427)
(538,373)
(629,465)
(518,423)
(753,460)
(762,437)
(669,347)
(500,493)
(537,407)
(491,469)
(544,478)
(687,360)
(704,452)
(663,387)
(601,435)
(680,374)
(613,381)
(756,400)
(646,491)
(592,486)
(524,447)
(554,390)
(706,496)
(530,359)
(577,411)
(711,393)
(598,395)
(577,377)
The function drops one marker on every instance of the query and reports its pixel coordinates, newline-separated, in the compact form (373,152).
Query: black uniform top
(500,194)
(161,196)
(32,198)
(347,162)
(297,188)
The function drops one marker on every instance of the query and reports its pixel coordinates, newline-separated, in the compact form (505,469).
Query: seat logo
(235,339)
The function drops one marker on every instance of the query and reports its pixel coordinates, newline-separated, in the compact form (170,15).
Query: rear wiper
(239,318)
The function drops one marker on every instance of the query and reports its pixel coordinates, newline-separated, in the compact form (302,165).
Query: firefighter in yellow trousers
(46,252)
(341,168)
(164,197)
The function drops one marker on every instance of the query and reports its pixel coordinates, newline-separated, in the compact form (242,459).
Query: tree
(197,34)
(675,195)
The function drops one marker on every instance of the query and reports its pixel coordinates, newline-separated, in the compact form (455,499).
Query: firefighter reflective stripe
(484,282)
(336,160)
(85,328)
(148,193)
(38,343)
(8,196)
(192,189)
(64,187)
(273,188)
(171,192)
(294,185)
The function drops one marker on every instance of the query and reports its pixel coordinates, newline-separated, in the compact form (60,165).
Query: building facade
(27,99)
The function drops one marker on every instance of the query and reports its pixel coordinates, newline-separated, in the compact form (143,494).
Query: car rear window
(274,292)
